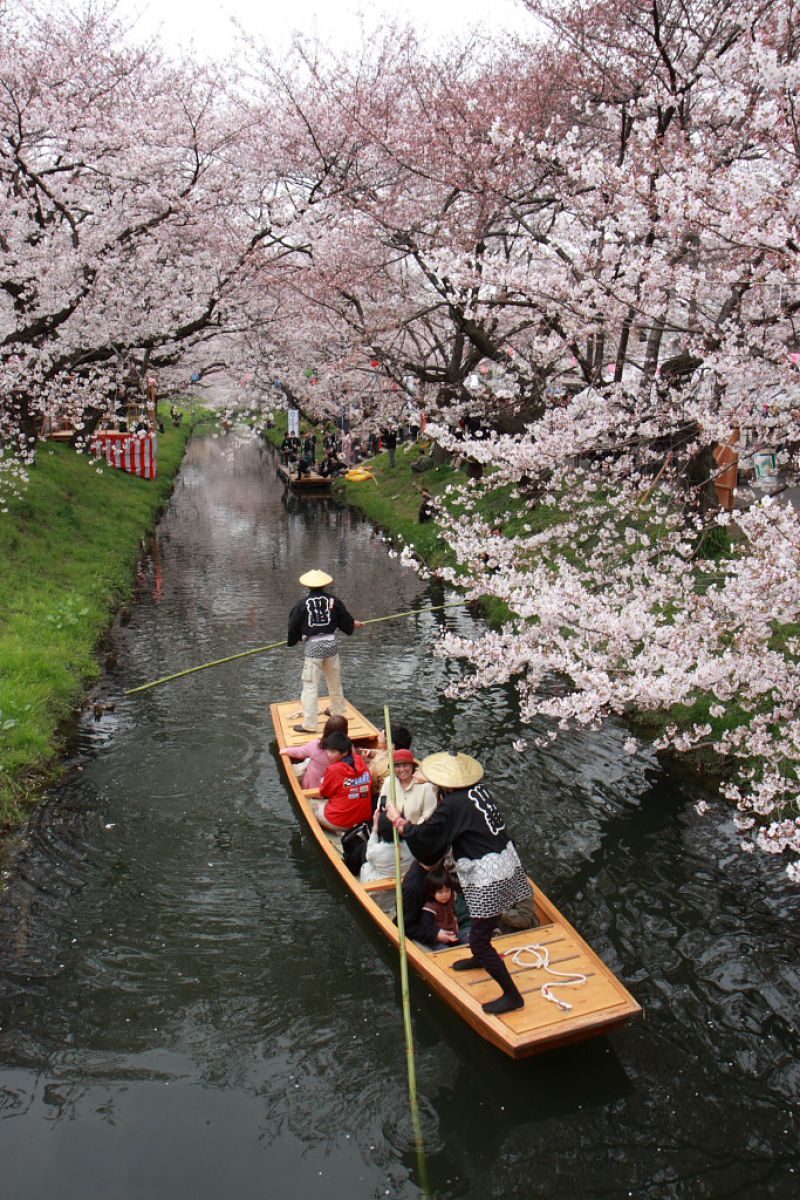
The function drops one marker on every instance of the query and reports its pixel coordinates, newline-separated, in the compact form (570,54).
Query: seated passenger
(346,786)
(380,859)
(378,759)
(414,900)
(310,760)
(413,799)
(438,923)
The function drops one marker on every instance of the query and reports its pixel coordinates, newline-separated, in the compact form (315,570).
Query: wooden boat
(312,482)
(597,1006)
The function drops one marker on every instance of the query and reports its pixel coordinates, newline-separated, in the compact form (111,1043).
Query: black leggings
(480,943)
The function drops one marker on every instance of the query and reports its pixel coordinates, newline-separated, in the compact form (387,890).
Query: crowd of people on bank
(337,452)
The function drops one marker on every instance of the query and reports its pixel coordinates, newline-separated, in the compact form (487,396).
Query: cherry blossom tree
(130,227)
(591,238)
(667,277)
(614,233)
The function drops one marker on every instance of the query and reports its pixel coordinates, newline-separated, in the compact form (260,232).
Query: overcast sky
(207,24)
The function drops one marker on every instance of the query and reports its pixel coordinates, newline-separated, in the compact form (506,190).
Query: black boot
(466,964)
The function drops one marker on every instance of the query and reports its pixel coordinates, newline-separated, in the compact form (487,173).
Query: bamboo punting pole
(218,662)
(401,929)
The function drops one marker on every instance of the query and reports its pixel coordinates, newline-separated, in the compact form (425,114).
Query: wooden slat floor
(358,727)
(599,993)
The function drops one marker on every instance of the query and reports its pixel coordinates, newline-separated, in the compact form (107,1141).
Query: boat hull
(599,1006)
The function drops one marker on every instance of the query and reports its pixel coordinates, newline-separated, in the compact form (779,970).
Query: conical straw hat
(314,579)
(451,770)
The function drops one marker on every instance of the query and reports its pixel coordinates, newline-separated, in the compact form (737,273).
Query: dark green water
(191,1007)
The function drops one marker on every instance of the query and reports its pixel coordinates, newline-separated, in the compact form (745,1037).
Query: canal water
(190,1006)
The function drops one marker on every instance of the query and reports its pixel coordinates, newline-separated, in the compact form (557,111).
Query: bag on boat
(354,846)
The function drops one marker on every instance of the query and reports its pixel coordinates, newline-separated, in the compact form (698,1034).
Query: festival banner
(135,453)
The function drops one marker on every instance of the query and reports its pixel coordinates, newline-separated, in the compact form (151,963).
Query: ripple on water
(167,931)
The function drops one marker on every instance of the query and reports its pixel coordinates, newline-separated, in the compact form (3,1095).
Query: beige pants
(319,813)
(313,670)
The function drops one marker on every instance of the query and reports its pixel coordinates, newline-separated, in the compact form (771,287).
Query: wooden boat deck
(313,482)
(598,1006)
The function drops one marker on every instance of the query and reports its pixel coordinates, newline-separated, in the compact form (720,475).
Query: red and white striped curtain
(135,453)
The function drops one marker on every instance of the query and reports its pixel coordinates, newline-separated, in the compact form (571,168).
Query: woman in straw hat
(491,874)
(315,620)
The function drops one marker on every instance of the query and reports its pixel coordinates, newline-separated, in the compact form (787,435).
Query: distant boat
(598,1004)
(312,482)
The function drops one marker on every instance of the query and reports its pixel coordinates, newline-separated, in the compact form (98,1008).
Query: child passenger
(438,924)
(310,761)
(346,786)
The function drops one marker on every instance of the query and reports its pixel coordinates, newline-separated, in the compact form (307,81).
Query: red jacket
(347,787)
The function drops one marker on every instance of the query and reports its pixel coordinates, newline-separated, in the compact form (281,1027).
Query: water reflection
(189,1002)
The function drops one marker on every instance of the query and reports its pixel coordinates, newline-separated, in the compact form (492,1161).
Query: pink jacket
(317,766)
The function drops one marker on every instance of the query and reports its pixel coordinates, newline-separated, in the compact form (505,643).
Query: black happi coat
(318,614)
(487,862)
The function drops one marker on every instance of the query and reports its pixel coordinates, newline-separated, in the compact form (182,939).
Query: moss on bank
(68,549)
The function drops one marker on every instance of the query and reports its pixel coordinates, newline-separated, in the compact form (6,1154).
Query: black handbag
(354,846)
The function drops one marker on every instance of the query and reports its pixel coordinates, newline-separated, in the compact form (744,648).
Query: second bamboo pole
(401,929)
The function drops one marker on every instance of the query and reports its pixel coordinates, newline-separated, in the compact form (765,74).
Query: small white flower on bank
(520,745)
(630,745)
(701,807)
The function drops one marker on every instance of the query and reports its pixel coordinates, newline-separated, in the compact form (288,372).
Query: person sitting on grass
(346,787)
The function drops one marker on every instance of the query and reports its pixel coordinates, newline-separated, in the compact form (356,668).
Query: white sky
(207,25)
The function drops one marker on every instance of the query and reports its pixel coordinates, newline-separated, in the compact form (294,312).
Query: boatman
(315,621)
(489,870)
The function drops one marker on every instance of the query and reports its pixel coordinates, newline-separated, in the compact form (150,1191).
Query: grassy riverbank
(68,549)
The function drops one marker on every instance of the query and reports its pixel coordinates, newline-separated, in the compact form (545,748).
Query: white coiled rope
(541,959)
